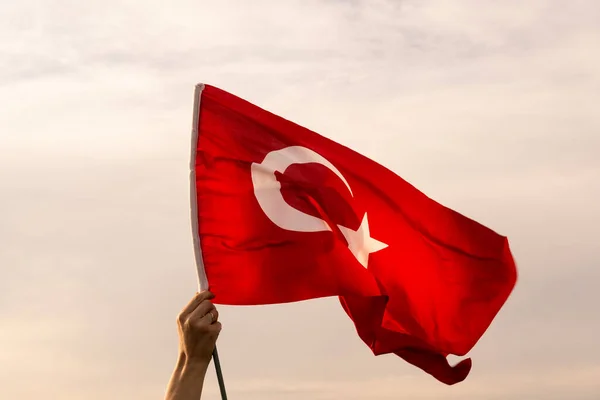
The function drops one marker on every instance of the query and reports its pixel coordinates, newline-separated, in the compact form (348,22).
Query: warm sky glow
(489,107)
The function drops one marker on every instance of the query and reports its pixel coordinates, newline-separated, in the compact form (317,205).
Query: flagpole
(202,280)
(219,374)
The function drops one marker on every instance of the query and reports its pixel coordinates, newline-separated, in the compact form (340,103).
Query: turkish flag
(282,214)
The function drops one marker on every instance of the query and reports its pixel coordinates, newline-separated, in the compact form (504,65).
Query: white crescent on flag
(267,190)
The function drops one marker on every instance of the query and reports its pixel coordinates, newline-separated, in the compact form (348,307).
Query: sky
(489,107)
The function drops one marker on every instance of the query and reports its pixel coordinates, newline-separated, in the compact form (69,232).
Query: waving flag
(282,214)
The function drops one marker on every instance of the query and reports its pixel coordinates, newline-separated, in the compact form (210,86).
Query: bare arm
(198,331)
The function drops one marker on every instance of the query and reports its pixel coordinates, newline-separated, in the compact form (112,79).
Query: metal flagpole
(203,282)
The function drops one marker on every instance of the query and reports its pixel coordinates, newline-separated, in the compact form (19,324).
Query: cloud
(490,109)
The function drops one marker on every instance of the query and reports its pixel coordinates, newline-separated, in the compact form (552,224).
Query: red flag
(282,214)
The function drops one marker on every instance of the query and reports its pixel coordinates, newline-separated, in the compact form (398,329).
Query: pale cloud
(489,107)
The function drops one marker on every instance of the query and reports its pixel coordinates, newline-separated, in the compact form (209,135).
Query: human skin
(198,328)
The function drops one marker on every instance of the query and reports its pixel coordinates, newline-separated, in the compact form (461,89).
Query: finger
(210,317)
(215,314)
(215,328)
(213,331)
(200,311)
(205,314)
(194,303)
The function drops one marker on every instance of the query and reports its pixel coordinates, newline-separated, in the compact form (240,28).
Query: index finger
(195,302)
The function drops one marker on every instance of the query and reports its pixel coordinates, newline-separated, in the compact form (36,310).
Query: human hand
(198,329)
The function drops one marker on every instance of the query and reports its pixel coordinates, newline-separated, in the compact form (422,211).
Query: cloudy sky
(490,107)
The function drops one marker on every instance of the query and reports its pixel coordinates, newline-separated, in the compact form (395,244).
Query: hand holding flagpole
(198,328)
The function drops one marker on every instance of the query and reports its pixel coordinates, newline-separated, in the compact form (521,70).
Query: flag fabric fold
(282,214)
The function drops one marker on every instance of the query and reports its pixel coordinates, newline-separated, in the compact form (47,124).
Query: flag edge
(202,278)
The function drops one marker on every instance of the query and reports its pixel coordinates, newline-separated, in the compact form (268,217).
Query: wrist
(191,365)
(187,379)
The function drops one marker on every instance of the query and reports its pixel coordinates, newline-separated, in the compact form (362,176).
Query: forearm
(187,380)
